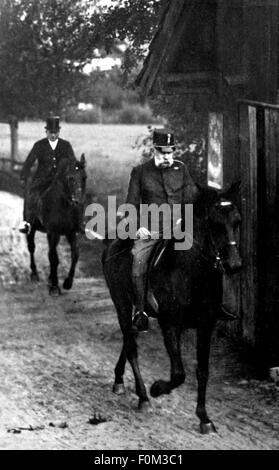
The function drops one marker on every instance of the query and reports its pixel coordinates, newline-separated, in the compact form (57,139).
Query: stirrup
(24,227)
(140,321)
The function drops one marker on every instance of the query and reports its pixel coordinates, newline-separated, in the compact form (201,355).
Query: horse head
(74,176)
(224,220)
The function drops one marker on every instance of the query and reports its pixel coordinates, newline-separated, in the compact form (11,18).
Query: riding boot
(28,211)
(228,310)
(140,317)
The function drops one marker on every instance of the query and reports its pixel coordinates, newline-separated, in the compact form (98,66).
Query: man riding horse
(161,180)
(48,153)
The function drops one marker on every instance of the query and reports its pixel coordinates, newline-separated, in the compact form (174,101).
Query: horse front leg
(172,336)
(204,333)
(31,248)
(118,386)
(72,239)
(129,352)
(53,240)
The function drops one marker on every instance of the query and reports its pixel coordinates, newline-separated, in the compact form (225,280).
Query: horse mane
(69,163)
(205,198)
(64,165)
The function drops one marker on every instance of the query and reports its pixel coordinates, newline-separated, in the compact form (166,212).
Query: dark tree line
(44,45)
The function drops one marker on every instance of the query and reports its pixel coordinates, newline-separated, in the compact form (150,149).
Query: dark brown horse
(188,288)
(59,211)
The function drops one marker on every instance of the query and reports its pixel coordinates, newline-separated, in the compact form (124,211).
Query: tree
(136,21)
(133,21)
(106,88)
(43,48)
(45,44)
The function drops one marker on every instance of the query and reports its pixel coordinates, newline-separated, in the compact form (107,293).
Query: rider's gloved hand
(143,233)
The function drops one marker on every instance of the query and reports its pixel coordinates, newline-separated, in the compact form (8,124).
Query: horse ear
(233,192)
(83,161)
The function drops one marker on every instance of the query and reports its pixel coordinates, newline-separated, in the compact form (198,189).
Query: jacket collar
(49,146)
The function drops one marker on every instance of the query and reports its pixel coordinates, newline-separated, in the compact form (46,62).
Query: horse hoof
(54,291)
(160,387)
(207,428)
(68,283)
(34,277)
(118,389)
(145,406)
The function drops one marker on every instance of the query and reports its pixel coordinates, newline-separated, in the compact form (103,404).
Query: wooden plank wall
(260,49)
(269,321)
(248,161)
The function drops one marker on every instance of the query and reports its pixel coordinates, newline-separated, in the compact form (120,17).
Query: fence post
(14,140)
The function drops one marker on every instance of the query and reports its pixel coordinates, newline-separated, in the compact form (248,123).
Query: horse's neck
(56,190)
(200,228)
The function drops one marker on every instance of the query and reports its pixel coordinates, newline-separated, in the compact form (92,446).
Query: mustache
(164,164)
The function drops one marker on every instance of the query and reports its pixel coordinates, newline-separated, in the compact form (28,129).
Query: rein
(217,262)
(60,180)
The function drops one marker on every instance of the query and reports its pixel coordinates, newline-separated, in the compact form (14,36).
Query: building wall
(246,51)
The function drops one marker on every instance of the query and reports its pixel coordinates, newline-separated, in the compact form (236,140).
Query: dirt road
(56,372)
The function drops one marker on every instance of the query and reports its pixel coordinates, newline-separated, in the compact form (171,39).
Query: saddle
(34,191)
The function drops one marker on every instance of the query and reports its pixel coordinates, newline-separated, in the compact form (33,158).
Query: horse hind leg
(172,336)
(31,248)
(53,240)
(72,239)
(204,333)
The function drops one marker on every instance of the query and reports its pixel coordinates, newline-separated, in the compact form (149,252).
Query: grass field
(108,150)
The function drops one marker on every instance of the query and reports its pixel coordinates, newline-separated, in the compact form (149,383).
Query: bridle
(73,200)
(218,262)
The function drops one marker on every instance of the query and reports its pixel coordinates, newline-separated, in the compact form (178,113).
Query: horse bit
(218,260)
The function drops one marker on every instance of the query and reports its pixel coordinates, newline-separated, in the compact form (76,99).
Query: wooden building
(220,57)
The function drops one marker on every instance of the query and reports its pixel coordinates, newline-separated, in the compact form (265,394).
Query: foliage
(77,116)
(127,114)
(107,90)
(133,21)
(135,114)
(114,102)
(45,44)
(43,47)
(136,21)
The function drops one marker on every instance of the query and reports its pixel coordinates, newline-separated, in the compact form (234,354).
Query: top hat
(163,139)
(52,124)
